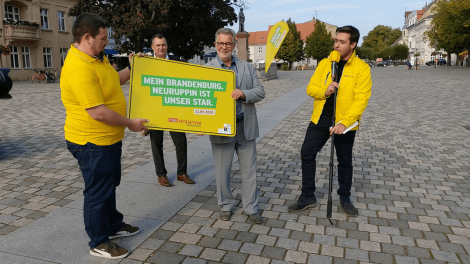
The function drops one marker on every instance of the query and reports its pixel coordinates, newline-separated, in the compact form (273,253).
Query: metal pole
(329,204)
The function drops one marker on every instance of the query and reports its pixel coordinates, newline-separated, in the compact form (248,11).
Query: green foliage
(450,26)
(188,25)
(285,67)
(400,52)
(365,53)
(292,48)
(378,40)
(319,44)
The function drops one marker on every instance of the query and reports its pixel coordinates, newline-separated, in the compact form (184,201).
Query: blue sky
(364,15)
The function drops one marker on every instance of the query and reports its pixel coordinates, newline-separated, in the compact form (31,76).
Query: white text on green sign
(184,92)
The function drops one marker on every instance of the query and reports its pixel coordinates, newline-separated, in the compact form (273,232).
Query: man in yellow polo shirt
(94,127)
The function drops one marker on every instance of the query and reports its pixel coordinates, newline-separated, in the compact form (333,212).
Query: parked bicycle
(55,74)
(42,76)
(38,75)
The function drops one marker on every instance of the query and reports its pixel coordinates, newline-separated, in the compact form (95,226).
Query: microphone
(334,58)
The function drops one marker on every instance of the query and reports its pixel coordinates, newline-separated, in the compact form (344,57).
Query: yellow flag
(275,38)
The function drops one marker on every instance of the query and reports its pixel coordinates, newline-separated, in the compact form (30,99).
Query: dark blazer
(248,82)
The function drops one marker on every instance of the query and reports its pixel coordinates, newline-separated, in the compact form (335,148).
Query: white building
(416,23)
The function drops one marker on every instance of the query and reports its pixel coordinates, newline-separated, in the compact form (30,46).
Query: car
(379,64)
(440,62)
(388,63)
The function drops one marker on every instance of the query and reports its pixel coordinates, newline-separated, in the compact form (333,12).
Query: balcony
(17,32)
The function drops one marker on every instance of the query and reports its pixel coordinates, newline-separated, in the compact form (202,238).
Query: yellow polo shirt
(87,82)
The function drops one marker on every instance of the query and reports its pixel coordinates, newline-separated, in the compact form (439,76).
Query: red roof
(258,37)
(305,29)
(420,13)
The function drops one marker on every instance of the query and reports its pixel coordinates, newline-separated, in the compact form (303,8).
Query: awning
(111,51)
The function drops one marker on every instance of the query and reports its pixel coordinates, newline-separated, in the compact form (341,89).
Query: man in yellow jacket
(353,95)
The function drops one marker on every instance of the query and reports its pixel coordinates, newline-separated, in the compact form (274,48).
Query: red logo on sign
(173,120)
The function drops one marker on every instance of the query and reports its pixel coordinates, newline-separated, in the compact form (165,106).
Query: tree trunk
(449,55)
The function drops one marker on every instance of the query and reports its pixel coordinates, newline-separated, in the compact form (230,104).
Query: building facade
(416,23)
(39,33)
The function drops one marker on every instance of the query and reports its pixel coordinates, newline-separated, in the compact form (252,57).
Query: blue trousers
(315,138)
(101,171)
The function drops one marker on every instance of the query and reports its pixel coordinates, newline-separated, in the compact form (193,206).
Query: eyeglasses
(227,44)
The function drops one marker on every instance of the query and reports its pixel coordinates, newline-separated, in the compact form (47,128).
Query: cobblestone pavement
(411,172)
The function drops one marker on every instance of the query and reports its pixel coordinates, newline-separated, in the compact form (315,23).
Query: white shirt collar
(166,58)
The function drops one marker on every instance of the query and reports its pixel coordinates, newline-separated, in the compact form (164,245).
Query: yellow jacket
(353,92)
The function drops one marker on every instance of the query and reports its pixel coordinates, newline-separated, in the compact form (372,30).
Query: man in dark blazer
(249,91)
(159,46)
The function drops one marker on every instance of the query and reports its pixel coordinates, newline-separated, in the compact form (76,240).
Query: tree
(292,49)
(450,26)
(380,38)
(188,25)
(319,44)
(365,53)
(400,52)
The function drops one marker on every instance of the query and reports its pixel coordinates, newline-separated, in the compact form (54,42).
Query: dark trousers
(101,171)
(315,138)
(179,139)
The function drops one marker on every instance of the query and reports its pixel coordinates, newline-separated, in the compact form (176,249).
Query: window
(26,57)
(61,16)
(110,33)
(63,54)
(15,57)
(260,50)
(12,12)
(47,57)
(44,19)
(308,61)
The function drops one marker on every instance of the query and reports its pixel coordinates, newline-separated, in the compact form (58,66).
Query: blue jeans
(315,138)
(101,171)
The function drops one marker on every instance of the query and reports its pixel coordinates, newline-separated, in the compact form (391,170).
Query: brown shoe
(185,178)
(163,180)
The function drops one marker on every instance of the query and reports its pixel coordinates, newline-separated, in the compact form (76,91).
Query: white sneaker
(109,250)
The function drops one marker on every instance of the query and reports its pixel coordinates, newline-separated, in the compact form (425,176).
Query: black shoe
(300,206)
(348,207)
(256,218)
(126,230)
(225,215)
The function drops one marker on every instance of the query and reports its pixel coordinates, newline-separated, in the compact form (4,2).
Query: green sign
(184,92)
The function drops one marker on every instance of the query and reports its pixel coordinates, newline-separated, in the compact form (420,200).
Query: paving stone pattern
(411,172)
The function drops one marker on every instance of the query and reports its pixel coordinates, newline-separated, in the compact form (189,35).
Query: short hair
(353,33)
(88,23)
(158,36)
(226,31)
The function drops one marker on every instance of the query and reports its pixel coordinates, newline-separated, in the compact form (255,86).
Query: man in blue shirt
(249,91)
